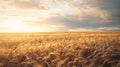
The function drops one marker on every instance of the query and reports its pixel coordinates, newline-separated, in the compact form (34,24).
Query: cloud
(105,10)
(99,29)
(66,14)
(72,21)
(25,4)
(109,28)
(83,30)
(112,6)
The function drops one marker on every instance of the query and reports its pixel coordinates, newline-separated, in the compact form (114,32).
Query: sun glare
(17,25)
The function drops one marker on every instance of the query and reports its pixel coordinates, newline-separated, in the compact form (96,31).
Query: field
(65,49)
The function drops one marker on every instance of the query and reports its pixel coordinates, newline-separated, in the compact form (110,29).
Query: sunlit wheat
(73,49)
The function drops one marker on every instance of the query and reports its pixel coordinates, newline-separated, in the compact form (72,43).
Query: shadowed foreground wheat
(71,49)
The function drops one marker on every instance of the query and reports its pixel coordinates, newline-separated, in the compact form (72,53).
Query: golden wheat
(67,49)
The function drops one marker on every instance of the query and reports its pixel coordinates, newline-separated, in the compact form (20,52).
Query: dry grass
(60,49)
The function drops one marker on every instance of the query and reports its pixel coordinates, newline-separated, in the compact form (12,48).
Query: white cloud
(84,30)
(109,28)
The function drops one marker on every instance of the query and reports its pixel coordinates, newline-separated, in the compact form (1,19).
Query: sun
(17,25)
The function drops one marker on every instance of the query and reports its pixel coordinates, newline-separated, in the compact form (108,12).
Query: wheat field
(60,49)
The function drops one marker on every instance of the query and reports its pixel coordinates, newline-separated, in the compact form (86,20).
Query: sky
(59,15)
